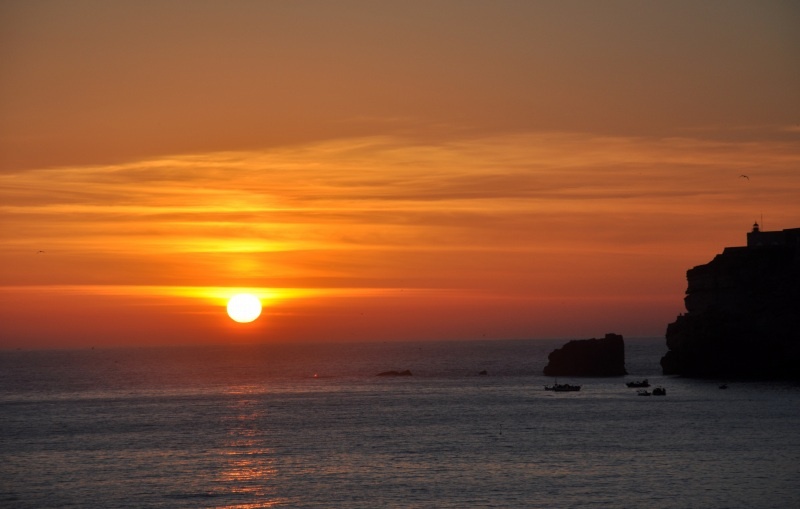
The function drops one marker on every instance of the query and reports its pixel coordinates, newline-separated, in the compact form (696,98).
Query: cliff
(743,313)
(588,357)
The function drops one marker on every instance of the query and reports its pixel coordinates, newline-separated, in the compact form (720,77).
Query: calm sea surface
(312,426)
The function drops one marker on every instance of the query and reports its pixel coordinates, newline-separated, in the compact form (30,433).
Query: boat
(644,393)
(723,386)
(659,391)
(562,388)
(639,384)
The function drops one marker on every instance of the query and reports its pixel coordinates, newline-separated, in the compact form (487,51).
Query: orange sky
(382,170)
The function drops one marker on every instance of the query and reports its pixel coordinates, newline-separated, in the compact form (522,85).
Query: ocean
(312,426)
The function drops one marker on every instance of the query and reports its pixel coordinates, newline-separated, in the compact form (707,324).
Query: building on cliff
(743,312)
(758,238)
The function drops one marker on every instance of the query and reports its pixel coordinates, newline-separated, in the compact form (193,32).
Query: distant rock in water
(589,357)
(395,373)
(743,312)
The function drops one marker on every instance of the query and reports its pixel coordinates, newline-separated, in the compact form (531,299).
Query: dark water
(251,427)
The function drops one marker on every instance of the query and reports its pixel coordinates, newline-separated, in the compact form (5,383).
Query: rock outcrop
(589,357)
(743,312)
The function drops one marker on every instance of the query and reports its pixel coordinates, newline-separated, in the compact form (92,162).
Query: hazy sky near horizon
(383,170)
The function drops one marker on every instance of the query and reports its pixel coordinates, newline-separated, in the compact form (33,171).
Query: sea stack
(589,357)
(743,312)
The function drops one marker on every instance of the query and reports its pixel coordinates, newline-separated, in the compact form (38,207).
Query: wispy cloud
(330,213)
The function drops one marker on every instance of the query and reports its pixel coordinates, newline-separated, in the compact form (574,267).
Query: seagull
(743,176)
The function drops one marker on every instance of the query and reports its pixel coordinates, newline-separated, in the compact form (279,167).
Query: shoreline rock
(589,357)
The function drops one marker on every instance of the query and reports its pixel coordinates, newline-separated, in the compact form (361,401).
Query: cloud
(388,211)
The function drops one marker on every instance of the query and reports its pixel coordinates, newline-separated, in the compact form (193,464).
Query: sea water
(313,426)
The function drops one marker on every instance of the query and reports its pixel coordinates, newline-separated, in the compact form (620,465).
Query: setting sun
(465,170)
(244,307)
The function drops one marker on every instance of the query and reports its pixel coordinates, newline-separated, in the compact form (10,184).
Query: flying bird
(743,176)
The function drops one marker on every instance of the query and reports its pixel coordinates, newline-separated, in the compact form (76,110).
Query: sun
(244,307)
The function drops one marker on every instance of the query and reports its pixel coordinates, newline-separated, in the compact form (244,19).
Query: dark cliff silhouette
(589,357)
(743,312)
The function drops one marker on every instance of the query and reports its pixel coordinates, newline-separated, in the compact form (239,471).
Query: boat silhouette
(562,388)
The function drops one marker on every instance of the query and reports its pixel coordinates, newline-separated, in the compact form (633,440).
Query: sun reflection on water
(248,470)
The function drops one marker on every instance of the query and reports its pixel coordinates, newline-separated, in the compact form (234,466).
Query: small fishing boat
(659,391)
(639,384)
(562,388)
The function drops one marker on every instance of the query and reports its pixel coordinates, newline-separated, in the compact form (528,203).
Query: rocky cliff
(743,314)
(588,357)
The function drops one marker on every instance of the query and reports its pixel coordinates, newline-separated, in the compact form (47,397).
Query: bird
(743,176)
